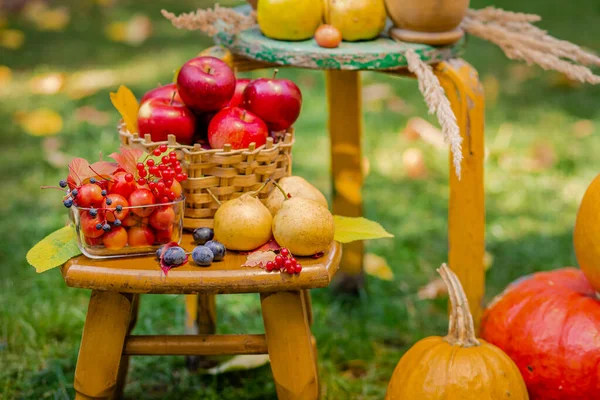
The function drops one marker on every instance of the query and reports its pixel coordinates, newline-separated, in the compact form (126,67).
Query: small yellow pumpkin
(458,366)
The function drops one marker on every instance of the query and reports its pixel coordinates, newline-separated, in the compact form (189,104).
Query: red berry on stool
(270,266)
(284,252)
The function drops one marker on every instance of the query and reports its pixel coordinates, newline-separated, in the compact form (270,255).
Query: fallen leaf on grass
(350,229)
(134,32)
(378,267)
(40,122)
(51,19)
(92,116)
(582,128)
(52,153)
(5,76)
(433,290)
(418,128)
(355,369)
(259,258)
(85,83)
(50,83)
(11,38)
(54,250)
(239,363)
(413,163)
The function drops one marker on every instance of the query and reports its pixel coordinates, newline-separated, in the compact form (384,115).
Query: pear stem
(213,196)
(260,189)
(275,71)
(285,195)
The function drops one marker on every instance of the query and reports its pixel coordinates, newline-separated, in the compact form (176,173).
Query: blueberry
(119,208)
(106,227)
(203,235)
(63,183)
(108,202)
(68,203)
(217,248)
(98,226)
(92,180)
(117,222)
(93,212)
(74,192)
(202,256)
(103,192)
(174,256)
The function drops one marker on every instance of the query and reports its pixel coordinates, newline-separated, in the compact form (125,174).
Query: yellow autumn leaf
(350,229)
(53,19)
(239,363)
(49,83)
(378,267)
(127,105)
(11,38)
(54,250)
(116,31)
(40,122)
(5,76)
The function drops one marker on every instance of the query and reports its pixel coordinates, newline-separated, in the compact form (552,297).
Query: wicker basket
(224,173)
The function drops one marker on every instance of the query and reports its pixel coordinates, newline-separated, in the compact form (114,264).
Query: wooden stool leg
(104,333)
(201,318)
(466,211)
(345,131)
(290,346)
(307,305)
(124,365)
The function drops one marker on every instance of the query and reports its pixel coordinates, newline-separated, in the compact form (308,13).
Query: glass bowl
(142,229)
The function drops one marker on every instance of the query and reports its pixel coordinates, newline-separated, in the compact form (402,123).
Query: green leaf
(54,250)
(349,229)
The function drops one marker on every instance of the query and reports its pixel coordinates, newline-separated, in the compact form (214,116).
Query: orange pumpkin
(586,236)
(457,366)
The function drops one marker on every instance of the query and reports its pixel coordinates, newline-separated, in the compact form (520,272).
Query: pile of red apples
(208,105)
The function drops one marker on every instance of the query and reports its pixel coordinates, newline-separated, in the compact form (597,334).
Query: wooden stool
(107,342)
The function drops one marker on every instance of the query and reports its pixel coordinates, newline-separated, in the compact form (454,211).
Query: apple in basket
(160,117)
(167,92)
(240,86)
(237,127)
(275,101)
(205,84)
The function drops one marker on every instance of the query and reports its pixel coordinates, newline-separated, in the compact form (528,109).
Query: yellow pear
(289,19)
(356,19)
(243,224)
(295,186)
(303,226)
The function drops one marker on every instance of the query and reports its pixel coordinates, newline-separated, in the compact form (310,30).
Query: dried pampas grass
(438,104)
(520,40)
(212,21)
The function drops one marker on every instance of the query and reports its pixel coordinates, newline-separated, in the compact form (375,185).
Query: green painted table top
(378,54)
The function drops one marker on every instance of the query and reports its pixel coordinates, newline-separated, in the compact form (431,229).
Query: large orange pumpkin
(458,366)
(586,237)
(549,324)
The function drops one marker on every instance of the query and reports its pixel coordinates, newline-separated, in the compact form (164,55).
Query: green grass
(530,214)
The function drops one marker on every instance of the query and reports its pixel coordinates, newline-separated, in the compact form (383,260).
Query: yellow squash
(458,366)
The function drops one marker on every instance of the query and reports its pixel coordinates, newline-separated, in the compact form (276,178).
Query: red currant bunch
(160,176)
(284,261)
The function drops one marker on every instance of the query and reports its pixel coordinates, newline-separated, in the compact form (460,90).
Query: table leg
(345,131)
(290,346)
(106,326)
(466,211)
(124,364)
(201,318)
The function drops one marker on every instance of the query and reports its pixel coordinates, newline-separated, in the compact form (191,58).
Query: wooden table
(116,284)
(466,215)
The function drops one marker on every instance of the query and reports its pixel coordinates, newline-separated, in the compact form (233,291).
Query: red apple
(275,101)
(164,236)
(237,98)
(115,239)
(140,236)
(237,127)
(162,218)
(118,185)
(205,84)
(111,211)
(88,224)
(142,197)
(89,195)
(161,117)
(163,92)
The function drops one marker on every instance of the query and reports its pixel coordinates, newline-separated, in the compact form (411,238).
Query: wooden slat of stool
(143,275)
(197,345)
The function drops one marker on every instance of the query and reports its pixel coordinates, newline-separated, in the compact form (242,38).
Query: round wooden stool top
(382,53)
